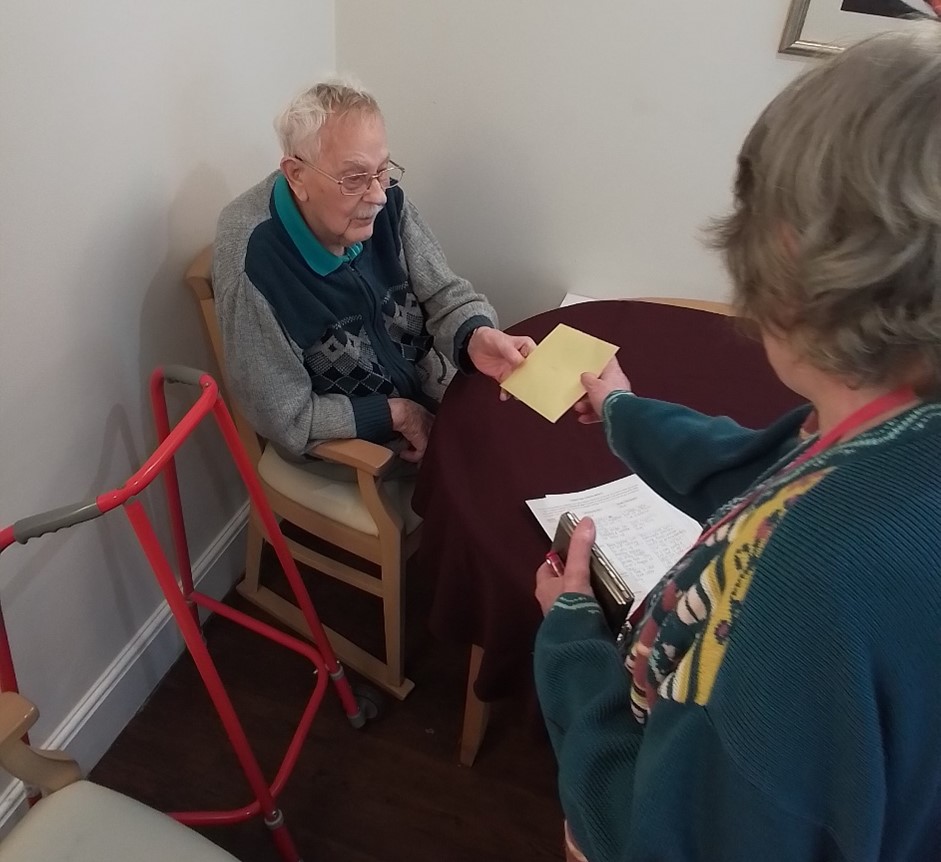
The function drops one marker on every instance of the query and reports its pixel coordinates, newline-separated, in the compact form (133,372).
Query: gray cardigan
(316,344)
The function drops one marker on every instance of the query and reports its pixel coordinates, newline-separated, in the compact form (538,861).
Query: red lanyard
(876,407)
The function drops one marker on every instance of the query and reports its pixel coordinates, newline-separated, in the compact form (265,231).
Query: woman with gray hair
(779,696)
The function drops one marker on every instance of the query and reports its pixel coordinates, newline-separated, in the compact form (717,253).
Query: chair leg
(389,674)
(476,712)
(254,543)
(393,612)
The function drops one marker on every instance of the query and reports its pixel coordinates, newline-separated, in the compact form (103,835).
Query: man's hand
(612,379)
(413,422)
(574,579)
(496,354)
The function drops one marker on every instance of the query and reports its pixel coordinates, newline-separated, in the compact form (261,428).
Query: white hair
(299,124)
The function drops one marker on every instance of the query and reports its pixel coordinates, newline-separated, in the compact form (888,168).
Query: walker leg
(355,715)
(281,837)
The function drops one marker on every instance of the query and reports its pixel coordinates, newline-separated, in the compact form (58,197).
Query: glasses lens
(391,176)
(355,184)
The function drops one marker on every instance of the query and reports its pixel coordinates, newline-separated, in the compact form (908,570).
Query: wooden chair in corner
(371,519)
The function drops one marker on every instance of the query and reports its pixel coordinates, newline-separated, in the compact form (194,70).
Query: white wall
(558,146)
(125,128)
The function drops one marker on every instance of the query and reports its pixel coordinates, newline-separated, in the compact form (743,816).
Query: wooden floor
(390,792)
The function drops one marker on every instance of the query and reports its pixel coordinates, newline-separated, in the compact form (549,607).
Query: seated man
(339,314)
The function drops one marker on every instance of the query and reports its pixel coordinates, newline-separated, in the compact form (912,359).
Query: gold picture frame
(792,40)
(819,28)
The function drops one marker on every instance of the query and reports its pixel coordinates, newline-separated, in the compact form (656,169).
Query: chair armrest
(48,770)
(362,455)
(17,715)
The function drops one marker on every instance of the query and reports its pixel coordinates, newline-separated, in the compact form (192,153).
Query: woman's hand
(574,578)
(611,379)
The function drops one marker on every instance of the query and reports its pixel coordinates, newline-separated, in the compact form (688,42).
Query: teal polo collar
(320,260)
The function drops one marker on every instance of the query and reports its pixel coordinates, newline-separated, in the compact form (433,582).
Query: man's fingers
(412,455)
(512,354)
(579,556)
(516,349)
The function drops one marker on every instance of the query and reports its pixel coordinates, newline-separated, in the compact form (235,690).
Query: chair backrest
(199,279)
(701,304)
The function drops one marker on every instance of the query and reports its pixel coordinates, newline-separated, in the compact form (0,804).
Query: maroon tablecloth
(486,457)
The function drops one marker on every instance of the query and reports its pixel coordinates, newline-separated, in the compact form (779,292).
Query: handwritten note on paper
(549,379)
(641,533)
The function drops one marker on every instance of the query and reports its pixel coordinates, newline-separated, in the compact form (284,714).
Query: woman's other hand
(611,379)
(574,578)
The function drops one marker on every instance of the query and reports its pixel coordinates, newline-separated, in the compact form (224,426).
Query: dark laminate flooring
(391,792)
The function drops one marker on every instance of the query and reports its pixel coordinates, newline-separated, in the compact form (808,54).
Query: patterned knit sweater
(316,343)
(790,705)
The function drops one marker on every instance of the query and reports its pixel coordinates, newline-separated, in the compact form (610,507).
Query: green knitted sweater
(790,706)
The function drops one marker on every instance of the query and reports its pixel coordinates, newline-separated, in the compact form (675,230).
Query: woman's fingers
(579,556)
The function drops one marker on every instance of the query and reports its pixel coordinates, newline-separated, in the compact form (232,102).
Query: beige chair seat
(86,822)
(353,528)
(334,498)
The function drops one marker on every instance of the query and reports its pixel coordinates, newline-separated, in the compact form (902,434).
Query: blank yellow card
(548,381)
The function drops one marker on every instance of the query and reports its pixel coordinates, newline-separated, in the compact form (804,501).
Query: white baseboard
(91,727)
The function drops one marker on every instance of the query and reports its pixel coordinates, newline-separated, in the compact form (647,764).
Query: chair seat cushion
(336,499)
(86,822)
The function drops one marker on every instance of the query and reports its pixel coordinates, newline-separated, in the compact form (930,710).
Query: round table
(487,457)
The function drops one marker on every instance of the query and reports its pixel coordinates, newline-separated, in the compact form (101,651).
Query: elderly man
(339,314)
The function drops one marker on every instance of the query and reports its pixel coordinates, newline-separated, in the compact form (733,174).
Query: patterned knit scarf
(677,609)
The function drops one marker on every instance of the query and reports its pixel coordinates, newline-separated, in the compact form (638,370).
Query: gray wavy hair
(835,237)
(299,124)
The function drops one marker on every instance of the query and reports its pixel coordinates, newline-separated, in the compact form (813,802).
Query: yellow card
(548,381)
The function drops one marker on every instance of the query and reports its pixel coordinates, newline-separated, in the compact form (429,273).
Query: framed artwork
(818,27)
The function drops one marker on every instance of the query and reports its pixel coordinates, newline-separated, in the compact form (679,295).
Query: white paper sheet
(641,533)
(575,299)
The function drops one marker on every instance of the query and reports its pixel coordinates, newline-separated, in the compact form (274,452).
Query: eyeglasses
(358,184)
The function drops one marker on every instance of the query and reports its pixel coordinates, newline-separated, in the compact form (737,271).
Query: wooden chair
(700,304)
(79,820)
(369,518)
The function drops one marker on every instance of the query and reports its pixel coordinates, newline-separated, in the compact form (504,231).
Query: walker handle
(55,519)
(183,374)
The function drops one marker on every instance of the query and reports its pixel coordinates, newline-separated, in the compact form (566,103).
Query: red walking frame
(185,601)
